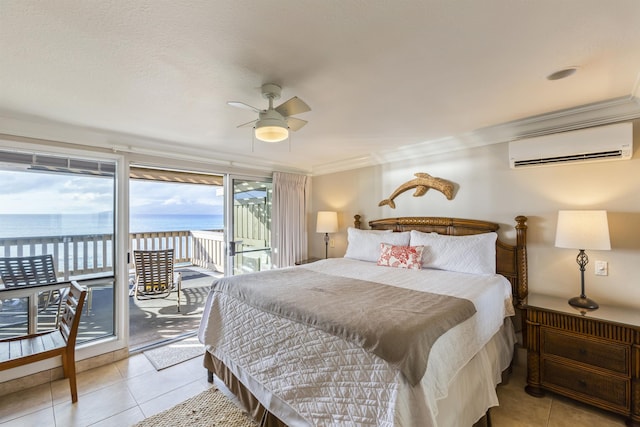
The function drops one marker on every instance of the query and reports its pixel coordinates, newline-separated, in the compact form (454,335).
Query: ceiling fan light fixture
(274,124)
(271,132)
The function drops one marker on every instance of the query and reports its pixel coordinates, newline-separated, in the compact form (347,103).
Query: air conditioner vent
(571,158)
(612,142)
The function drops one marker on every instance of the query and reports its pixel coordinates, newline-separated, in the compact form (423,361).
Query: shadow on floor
(150,321)
(154,320)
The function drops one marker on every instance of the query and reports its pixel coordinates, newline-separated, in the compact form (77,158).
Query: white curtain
(289,218)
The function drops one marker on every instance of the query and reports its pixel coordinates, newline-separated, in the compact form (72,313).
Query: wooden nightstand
(592,357)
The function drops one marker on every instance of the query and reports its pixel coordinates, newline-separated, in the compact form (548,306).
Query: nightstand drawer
(608,389)
(602,354)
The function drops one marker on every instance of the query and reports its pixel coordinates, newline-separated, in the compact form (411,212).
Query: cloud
(41,193)
(189,199)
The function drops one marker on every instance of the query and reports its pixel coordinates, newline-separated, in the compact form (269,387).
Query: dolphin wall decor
(422,183)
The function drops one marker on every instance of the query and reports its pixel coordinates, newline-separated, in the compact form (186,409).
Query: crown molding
(590,115)
(584,116)
(35,129)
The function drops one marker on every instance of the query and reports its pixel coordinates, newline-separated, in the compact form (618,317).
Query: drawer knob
(583,351)
(582,383)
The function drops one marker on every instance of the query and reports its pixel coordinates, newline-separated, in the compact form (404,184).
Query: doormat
(174,353)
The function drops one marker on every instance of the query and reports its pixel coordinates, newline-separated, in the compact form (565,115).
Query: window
(60,207)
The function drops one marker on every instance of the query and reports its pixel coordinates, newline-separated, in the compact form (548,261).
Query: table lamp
(327,223)
(583,230)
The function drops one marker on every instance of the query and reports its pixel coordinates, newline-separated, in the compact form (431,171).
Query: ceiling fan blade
(248,123)
(293,106)
(244,106)
(295,123)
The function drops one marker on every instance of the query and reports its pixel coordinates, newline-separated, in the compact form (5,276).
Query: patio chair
(155,277)
(29,271)
(25,349)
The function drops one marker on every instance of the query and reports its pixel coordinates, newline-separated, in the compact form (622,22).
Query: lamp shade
(271,133)
(271,126)
(583,230)
(327,222)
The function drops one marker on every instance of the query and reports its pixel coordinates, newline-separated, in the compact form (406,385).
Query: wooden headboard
(511,260)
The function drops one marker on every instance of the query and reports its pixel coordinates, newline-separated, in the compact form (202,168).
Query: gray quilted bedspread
(396,324)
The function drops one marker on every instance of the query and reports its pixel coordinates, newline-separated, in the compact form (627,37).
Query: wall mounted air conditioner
(611,142)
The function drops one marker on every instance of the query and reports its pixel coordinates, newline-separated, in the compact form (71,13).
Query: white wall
(488,189)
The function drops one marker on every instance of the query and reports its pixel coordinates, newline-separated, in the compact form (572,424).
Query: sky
(46,193)
(174,198)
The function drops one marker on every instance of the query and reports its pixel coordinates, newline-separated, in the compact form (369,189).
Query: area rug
(209,408)
(174,353)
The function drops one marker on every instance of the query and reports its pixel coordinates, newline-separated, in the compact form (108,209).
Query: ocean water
(87,224)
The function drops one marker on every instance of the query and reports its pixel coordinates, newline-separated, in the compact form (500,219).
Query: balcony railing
(91,254)
(89,259)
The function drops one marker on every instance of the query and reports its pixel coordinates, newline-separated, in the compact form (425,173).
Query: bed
(290,362)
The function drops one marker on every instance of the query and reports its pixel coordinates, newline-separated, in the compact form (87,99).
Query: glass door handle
(232,247)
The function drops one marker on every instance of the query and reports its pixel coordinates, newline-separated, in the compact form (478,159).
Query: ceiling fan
(273,124)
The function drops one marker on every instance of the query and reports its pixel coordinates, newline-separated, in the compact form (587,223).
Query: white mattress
(308,377)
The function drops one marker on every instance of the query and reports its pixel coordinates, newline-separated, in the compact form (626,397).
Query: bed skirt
(255,409)
(251,404)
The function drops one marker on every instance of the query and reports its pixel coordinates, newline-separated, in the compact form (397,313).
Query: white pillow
(474,254)
(365,244)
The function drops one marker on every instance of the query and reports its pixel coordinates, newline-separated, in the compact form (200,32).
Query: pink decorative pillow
(401,256)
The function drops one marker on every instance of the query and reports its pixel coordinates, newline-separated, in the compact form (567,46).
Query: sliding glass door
(57,219)
(184,211)
(249,236)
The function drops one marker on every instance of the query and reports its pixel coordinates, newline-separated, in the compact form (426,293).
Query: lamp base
(583,302)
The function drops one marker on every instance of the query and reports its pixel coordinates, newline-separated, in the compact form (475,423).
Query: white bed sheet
(336,382)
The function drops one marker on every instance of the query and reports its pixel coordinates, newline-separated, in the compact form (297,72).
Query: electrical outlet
(332,243)
(602,268)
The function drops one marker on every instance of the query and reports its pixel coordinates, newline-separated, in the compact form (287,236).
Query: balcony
(199,256)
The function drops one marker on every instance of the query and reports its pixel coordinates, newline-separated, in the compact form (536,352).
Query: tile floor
(518,409)
(125,392)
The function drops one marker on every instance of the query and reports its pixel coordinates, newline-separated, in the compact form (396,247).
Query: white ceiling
(381,77)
